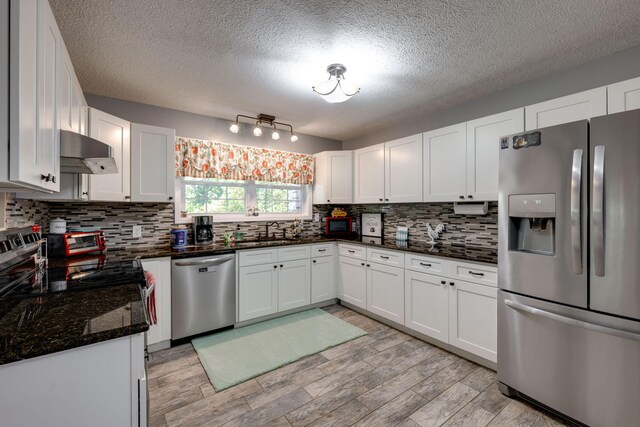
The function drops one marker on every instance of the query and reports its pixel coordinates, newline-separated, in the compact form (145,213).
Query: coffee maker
(202,229)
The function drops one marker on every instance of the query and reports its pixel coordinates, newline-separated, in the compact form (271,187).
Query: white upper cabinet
(115,132)
(368,170)
(403,169)
(389,172)
(483,149)
(624,96)
(151,145)
(333,177)
(570,108)
(444,163)
(34,146)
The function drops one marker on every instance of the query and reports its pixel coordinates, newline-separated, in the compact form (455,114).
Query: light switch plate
(137,231)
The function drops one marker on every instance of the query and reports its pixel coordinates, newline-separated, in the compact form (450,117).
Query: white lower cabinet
(427,304)
(473,321)
(161,270)
(385,291)
(257,291)
(97,384)
(323,279)
(353,274)
(280,279)
(294,284)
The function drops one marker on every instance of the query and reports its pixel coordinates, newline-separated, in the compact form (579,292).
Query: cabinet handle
(170,198)
(275,266)
(461,197)
(47,178)
(443,282)
(328,201)
(350,251)
(473,273)
(362,264)
(280,265)
(469,196)
(314,261)
(386,200)
(53,179)
(368,265)
(381,200)
(384,257)
(322,250)
(84,193)
(451,284)
(425,264)
(127,197)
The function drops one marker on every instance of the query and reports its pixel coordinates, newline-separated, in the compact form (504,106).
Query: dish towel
(150,294)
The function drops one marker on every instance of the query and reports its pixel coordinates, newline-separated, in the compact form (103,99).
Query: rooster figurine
(434,234)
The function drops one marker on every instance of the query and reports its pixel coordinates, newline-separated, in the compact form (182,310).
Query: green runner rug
(236,355)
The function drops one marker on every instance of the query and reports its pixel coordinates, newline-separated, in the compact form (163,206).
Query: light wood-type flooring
(386,378)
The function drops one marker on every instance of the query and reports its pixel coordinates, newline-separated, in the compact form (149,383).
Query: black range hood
(82,154)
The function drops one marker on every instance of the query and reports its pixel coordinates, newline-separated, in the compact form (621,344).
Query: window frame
(250,187)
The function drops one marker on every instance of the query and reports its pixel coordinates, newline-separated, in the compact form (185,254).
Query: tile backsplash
(118,219)
(476,230)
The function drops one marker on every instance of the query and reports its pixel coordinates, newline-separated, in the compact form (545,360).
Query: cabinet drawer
(323,249)
(289,253)
(353,251)
(486,275)
(258,256)
(424,264)
(395,259)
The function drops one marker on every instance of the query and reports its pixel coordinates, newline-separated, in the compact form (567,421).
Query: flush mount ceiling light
(263,119)
(336,89)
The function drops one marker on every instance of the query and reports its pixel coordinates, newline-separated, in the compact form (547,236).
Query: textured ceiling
(222,58)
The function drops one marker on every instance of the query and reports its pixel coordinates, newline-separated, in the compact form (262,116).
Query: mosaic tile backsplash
(118,219)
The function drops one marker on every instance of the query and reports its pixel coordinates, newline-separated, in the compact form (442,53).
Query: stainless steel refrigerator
(569,269)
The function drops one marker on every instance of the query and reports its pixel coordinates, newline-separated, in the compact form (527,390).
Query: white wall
(210,128)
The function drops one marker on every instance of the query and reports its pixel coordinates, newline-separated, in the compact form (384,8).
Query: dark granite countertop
(31,327)
(460,252)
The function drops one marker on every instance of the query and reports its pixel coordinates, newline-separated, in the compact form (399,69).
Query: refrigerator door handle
(576,204)
(573,322)
(598,210)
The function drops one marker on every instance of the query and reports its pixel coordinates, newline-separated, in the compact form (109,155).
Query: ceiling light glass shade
(234,128)
(275,135)
(336,89)
(257,131)
(294,137)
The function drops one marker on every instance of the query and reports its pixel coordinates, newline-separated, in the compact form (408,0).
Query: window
(231,200)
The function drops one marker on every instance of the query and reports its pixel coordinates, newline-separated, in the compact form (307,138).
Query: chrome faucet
(276,224)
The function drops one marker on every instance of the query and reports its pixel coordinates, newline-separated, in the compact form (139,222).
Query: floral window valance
(207,159)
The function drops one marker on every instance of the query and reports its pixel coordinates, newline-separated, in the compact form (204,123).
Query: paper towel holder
(470,208)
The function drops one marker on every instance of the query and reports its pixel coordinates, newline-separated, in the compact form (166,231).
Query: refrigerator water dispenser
(532,225)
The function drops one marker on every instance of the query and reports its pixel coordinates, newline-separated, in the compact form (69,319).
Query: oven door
(579,363)
(338,226)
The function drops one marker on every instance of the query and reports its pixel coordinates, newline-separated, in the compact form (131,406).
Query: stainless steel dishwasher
(203,294)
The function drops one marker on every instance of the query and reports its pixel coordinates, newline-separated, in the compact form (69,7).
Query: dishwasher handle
(201,262)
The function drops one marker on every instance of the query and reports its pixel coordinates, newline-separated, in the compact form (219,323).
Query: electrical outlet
(137,231)
(316,216)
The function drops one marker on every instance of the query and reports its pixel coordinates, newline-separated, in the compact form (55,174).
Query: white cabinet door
(323,279)
(152,163)
(368,170)
(385,291)
(294,284)
(161,270)
(624,96)
(427,304)
(115,132)
(483,149)
(473,319)
(403,170)
(444,153)
(571,108)
(257,291)
(333,177)
(35,45)
(353,276)
(66,79)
